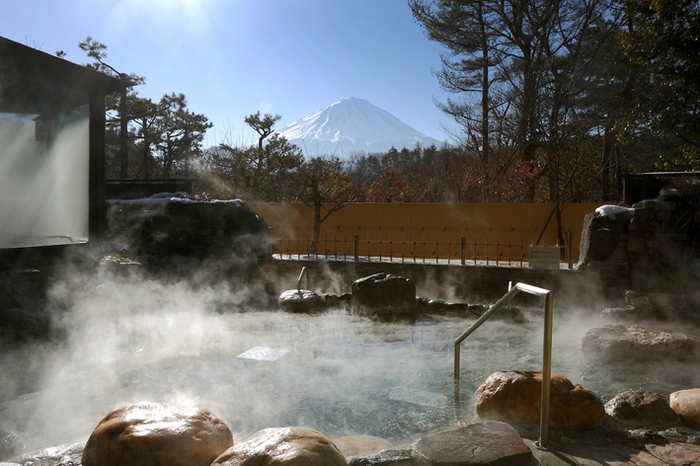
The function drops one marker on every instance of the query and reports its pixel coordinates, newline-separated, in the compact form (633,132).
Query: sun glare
(192,15)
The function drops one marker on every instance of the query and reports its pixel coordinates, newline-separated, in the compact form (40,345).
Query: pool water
(334,372)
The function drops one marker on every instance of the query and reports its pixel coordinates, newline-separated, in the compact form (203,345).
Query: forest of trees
(553,100)
(556,99)
(147,139)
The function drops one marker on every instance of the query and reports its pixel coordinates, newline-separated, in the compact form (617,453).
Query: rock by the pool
(300,301)
(195,231)
(601,233)
(355,445)
(510,314)
(482,443)
(687,404)
(514,397)
(676,453)
(10,444)
(635,342)
(65,454)
(152,434)
(640,408)
(384,296)
(386,458)
(283,446)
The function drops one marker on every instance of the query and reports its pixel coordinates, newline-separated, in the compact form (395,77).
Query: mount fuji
(352,125)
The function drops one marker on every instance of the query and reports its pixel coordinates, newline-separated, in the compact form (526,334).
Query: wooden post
(463,250)
(403,249)
(357,247)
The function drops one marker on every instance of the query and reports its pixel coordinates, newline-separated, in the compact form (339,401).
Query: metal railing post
(546,357)
(546,372)
(301,277)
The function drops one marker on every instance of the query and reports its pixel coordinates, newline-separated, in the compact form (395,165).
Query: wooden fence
(426,233)
(457,252)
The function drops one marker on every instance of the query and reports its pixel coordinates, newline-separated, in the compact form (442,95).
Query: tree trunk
(145,161)
(123,136)
(605,173)
(317,227)
(527,130)
(485,88)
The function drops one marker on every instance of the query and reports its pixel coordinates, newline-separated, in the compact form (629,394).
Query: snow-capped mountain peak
(352,125)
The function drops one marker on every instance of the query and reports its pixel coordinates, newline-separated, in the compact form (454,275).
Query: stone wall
(167,230)
(652,247)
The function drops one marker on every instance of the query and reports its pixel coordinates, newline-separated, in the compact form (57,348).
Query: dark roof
(37,63)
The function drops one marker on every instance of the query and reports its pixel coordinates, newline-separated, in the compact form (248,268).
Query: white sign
(544,257)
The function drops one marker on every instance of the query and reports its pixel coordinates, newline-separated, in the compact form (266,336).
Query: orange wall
(406,223)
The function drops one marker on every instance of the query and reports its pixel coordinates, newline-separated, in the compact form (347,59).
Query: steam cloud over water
(130,339)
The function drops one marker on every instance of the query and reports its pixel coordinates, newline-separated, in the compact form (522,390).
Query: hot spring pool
(334,372)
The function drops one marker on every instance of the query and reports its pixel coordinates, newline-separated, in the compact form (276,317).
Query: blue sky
(234,57)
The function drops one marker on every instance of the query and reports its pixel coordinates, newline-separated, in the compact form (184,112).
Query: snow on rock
(612,210)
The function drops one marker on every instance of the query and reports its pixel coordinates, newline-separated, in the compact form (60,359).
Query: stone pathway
(498,444)
(675,454)
(482,443)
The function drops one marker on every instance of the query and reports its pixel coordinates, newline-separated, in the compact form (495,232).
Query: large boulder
(647,247)
(687,404)
(300,301)
(152,434)
(514,397)
(307,301)
(602,232)
(635,342)
(283,446)
(639,408)
(384,296)
(158,228)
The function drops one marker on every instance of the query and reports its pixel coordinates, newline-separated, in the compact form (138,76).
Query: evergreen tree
(98,52)
(260,172)
(664,40)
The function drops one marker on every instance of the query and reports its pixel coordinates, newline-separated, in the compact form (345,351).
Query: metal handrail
(301,277)
(546,356)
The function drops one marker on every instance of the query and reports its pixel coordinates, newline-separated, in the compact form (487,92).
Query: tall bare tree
(325,186)
(511,56)
(465,29)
